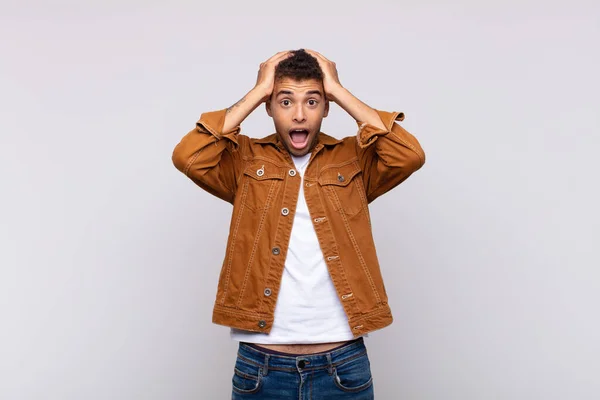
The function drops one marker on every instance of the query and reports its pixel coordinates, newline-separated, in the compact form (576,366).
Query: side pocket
(354,375)
(247,378)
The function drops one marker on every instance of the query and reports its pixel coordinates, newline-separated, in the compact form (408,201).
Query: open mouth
(299,138)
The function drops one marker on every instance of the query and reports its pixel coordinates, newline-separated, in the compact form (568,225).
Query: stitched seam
(270,367)
(363,196)
(244,165)
(312,377)
(236,312)
(410,146)
(337,183)
(337,165)
(231,248)
(279,219)
(335,364)
(245,375)
(278,163)
(345,360)
(343,272)
(255,245)
(209,129)
(370,314)
(355,245)
(190,162)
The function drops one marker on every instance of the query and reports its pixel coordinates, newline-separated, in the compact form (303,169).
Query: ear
(268,107)
(326,109)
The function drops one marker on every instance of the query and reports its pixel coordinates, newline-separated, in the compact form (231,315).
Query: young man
(300,284)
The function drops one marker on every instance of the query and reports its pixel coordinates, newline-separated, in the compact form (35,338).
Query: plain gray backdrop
(110,256)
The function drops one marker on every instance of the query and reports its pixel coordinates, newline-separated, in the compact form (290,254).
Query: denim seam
(362,191)
(237,312)
(338,165)
(291,369)
(356,248)
(231,247)
(278,163)
(256,240)
(342,272)
(410,146)
(279,219)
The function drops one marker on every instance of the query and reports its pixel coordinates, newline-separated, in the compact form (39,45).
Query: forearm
(356,108)
(240,110)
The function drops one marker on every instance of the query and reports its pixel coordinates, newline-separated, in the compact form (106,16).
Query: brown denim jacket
(259,178)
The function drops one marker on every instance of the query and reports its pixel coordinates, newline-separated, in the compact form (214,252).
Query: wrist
(262,92)
(336,93)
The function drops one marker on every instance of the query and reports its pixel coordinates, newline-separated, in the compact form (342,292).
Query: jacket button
(285,211)
(262,324)
(341,177)
(275,251)
(267,292)
(292,172)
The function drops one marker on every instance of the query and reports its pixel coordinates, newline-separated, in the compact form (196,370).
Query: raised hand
(266,74)
(260,93)
(331,81)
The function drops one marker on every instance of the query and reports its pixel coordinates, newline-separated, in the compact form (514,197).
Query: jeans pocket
(354,375)
(247,377)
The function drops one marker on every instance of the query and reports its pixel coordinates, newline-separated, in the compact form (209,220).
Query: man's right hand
(266,74)
(259,94)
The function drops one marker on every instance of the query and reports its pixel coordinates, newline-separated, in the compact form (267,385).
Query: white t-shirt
(308,309)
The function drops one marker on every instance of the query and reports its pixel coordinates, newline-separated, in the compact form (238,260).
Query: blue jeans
(342,373)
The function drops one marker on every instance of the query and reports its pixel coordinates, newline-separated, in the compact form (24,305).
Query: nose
(299,115)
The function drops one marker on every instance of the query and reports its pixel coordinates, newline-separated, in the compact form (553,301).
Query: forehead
(297,87)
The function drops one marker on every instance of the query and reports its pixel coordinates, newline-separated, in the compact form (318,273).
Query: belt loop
(266,366)
(329,364)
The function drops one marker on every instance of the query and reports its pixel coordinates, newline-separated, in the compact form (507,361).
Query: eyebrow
(288,92)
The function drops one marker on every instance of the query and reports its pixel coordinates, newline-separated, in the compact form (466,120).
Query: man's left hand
(331,81)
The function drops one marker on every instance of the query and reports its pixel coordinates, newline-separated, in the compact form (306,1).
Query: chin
(297,152)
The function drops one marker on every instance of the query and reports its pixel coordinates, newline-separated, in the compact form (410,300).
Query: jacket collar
(322,138)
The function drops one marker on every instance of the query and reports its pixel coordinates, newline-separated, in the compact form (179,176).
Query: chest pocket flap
(262,172)
(339,175)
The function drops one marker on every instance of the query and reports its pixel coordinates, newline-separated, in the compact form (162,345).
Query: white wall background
(110,257)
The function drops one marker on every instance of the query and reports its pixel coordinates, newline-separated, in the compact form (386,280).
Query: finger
(317,54)
(283,56)
(275,61)
(280,55)
(313,53)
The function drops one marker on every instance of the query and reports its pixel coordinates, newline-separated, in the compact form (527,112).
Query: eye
(312,102)
(285,102)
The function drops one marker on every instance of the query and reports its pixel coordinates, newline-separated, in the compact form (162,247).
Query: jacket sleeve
(387,156)
(211,157)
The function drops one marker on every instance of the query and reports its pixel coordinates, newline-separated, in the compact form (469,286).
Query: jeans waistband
(306,362)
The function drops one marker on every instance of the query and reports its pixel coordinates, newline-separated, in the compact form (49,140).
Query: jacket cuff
(212,122)
(368,134)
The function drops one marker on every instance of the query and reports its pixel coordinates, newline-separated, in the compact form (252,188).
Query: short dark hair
(300,66)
